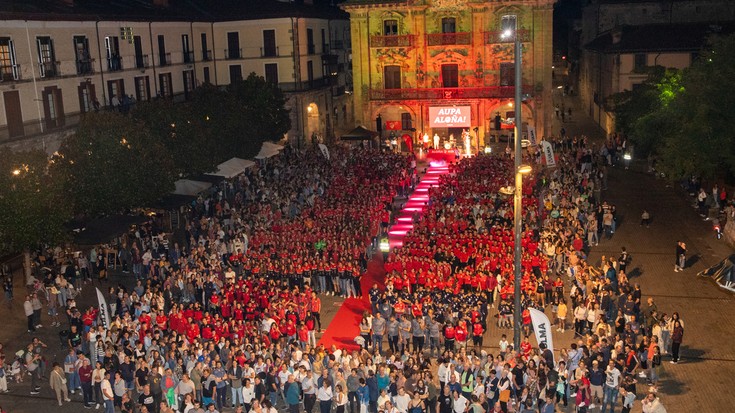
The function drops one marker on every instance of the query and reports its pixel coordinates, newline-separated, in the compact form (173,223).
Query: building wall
(420,50)
(595,79)
(173,71)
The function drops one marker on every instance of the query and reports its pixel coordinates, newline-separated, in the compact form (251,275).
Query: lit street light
(519,171)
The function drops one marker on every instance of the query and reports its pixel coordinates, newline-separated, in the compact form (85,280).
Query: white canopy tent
(232,167)
(268,150)
(189,187)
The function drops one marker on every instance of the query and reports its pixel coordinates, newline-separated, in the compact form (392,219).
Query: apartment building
(61,60)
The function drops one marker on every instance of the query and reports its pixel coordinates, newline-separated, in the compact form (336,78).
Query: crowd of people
(228,317)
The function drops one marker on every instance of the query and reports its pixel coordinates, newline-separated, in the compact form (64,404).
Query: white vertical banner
(104,309)
(531,135)
(325,150)
(542,328)
(548,153)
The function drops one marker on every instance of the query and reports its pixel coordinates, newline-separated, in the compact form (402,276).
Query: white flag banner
(325,150)
(542,327)
(532,135)
(548,154)
(104,309)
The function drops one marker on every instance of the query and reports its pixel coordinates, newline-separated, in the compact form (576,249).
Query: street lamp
(519,171)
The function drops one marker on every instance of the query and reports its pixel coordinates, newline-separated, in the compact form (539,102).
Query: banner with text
(450,116)
(542,327)
(104,309)
(548,154)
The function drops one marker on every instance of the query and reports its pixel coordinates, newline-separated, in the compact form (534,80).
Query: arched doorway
(313,133)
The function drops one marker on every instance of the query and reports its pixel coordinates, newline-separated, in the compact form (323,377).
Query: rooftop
(172,10)
(658,37)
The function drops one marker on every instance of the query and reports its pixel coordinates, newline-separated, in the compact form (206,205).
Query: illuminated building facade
(441,66)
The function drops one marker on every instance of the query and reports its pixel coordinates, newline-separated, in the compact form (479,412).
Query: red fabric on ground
(345,325)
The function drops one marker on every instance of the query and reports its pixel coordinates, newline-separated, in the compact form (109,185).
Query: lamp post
(517,197)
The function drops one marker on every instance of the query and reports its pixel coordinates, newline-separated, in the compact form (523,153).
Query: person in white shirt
(107,394)
(325,395)
(460,403)
(248,394)
(308,386)
(401,400)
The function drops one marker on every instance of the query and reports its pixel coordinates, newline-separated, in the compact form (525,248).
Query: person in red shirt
(450,335)
(461,334)
(478,331)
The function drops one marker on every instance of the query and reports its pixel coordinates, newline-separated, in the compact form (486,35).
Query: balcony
(188,56)
(497,37)
(141,61)
(164,59)
(392,40)
(49,69)
(447,93)
(114,63)
(439,39)
(206,55)
(310,48)
(85,67)
(269,52)
(231,54)
(9,73)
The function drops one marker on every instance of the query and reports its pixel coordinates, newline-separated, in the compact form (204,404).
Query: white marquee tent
(232,168)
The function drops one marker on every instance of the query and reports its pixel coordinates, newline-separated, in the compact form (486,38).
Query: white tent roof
(189,187)
(232,167)
(268,150)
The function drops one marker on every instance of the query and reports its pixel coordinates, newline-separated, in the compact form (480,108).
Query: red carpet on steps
(345,325)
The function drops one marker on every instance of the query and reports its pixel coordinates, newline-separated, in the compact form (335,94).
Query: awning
(269,149)
(189,187)
(359,134)
(232,167)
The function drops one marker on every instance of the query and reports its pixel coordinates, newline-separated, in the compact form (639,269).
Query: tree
(687,118)
(113,163)
(33,204)
(262,105)
(185,134)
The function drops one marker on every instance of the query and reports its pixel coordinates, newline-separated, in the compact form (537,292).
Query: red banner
(409,141)
(393,125)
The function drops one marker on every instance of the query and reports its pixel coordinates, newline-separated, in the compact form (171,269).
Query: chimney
(161,3)
(68,3)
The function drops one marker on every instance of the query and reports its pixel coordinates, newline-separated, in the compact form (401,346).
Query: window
(449,25)
(86,97)
(325,45)
(640,61)
(8,68)
(188,55)
(142,89)
(233,46)
(508,22)
(115,90)
(507,74)
(310,41)
(46,59)
(163,57)
(53,106)
(206,75)
(390,27)
(112,47)
(164,80)
(406,123)
(235,73)
(450,76)
(271,73)
(83,59)
(188,82)
(141,60)
(392,77)
(206,54)
(269,43)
